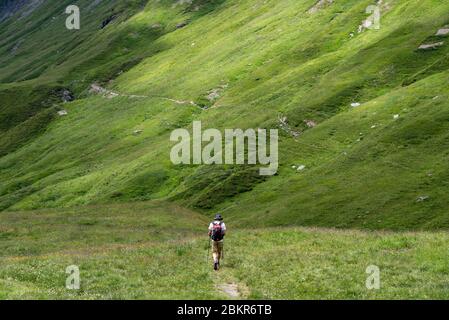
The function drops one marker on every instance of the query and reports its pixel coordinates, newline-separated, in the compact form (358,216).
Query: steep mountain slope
(274,64)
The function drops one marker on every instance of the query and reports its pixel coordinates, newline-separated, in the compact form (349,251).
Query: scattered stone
(373,126)
(431,46)
(301,168)
(156,26)
(283,124)
(181,25)
(310,123)
(293,167)
(95,88)
(396,116)
(62,113)
(213,95)
(319,5)
(442,32)
(355,104)
(111,95)
(422,198)
(137,132)
(67,96)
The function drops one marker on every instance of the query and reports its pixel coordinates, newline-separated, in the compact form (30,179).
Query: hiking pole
(222,251)
(208,248)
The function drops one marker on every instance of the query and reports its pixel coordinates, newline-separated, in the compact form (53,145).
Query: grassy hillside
(155,250)
(380,165)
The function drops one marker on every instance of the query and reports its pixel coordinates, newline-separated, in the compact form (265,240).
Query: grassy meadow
(156,250)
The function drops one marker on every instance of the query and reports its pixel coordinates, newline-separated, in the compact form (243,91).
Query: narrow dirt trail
(229,289)
(109,94)
(228,286)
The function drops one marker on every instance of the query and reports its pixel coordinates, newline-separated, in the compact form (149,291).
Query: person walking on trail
(217,231)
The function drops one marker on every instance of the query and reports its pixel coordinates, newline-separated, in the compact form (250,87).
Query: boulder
(310,123)
(181,25)
(431,46)
(442,32)
(422,198)
(67,96)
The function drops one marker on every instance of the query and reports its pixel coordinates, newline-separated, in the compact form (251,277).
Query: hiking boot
(216,266)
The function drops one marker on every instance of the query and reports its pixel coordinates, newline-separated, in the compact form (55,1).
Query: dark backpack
(217,231)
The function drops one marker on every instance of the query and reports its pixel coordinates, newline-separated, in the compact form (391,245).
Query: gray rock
(310,123)
(431,46)
(422,198)
(182,25)
(443,32)
(67,96)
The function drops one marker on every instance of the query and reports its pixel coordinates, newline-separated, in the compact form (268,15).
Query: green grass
(112,192)
(155,250)
(267,59)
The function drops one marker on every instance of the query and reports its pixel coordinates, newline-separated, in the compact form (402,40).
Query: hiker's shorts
(217,249)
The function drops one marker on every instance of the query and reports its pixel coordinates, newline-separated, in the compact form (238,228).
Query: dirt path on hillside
(105,93)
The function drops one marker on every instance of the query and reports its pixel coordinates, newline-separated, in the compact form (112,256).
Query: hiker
(217,231)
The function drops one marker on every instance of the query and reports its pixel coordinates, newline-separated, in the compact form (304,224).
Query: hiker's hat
(218,217)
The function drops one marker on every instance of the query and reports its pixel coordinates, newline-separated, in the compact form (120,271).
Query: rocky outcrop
(431,46)
(443,32)
(182,25)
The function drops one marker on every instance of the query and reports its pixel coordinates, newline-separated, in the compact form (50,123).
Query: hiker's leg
(220,250)
(215,251)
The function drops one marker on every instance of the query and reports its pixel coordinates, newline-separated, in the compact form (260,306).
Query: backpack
(217,231)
